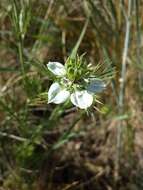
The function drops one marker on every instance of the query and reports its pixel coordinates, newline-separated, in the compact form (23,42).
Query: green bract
(77,68)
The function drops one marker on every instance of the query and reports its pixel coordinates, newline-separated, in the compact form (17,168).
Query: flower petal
(61,97)
(53,91)
(96,86)
(56,68)
(82,99)
(56,94)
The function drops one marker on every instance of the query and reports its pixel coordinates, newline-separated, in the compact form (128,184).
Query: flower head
(73,82)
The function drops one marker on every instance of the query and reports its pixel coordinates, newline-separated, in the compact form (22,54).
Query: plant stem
(18,35)
(122,84)
(138,39)
(20,50)
(65,135)
(42,28)
(76,47)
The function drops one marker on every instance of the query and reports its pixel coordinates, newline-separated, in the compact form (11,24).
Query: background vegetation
(48,147)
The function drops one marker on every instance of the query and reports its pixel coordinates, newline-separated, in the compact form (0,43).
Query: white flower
(59,94)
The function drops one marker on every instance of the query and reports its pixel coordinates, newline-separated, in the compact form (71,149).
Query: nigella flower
(64,88)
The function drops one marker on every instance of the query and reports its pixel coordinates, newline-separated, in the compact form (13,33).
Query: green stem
(65,136)
(20,51)
(122,83)
(75,49)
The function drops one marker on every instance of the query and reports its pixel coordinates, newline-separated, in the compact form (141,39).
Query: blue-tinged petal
(56,68)
(95,86)
(82,99)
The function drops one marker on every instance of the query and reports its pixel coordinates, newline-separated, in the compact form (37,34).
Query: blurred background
(50,147)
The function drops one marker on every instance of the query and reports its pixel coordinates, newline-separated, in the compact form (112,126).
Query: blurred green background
(51,147)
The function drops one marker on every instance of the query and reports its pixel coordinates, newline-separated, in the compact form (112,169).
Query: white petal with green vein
(56,94)
(56,68)
(82,99)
